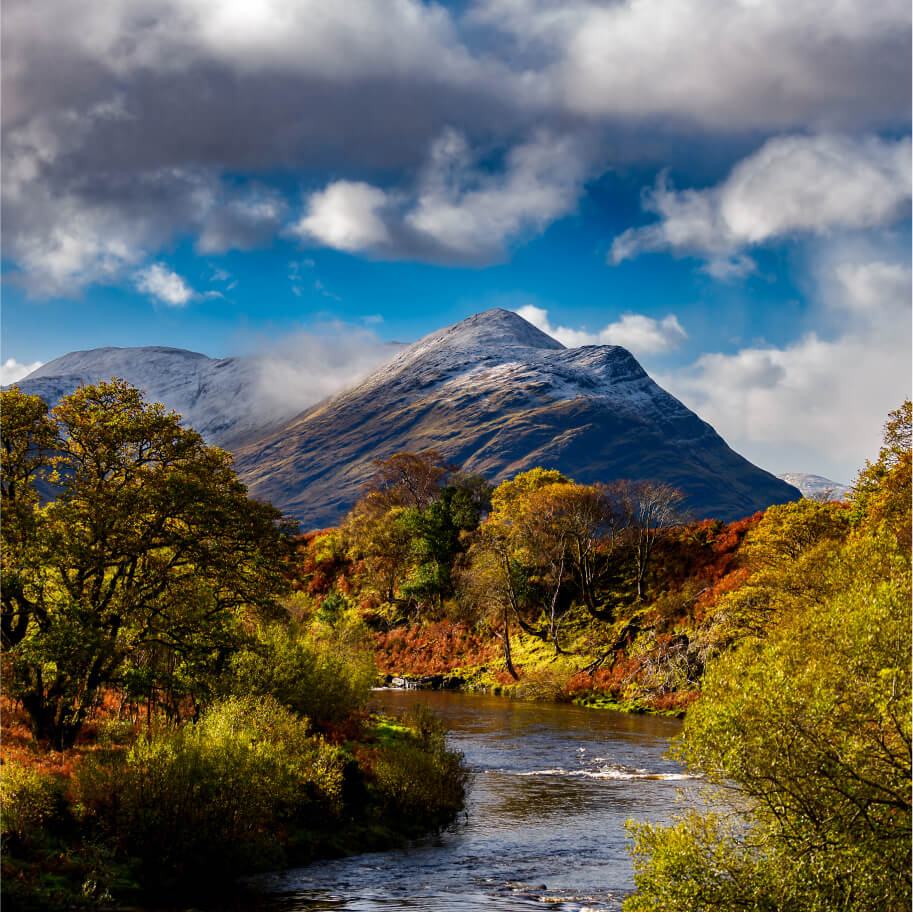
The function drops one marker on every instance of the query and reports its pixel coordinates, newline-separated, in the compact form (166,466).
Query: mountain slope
(497,396)
(217,397)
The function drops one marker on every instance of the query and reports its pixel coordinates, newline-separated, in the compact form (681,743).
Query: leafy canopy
(140,569)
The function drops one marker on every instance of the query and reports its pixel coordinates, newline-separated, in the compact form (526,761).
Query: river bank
(168,818)
(443,656)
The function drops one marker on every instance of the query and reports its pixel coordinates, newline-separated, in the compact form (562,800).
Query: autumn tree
(882,491)
(807,730)
(554,542)
(409,479)
(149,557)
(805,720)
(489,589)
(646,507)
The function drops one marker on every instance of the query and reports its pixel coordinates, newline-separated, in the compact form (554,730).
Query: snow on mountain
(217,397)
(817,487)
(497,396)
(491,393)
(224,399)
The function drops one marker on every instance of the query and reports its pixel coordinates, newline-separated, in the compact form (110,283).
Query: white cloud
(458,211)
(160,282)
(12,370)
(791,186)
(816,405)
(641,334)
(345,215)
(473,213)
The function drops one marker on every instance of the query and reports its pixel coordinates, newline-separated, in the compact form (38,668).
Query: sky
(721,186)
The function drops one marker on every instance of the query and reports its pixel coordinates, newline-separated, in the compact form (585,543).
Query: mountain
(498,396)
(817,487)
(217,397)
(224,399)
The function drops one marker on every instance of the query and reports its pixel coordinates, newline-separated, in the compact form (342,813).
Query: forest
(185,676)
(171,717)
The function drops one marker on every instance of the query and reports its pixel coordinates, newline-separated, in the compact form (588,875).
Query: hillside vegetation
(786,636)
(171,718)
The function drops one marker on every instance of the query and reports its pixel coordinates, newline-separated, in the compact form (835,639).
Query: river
(543,829)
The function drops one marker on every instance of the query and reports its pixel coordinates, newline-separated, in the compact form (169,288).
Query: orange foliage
(672,700)
(431,649)
(317,576)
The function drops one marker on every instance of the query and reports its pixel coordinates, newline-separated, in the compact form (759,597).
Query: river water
(552,787)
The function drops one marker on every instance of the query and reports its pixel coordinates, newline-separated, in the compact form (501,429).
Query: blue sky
(721,186)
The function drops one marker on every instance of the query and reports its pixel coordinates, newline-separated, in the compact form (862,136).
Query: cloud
(128,124)
(818,404)
(164,284)
(306,367)
(726,65)
(12,370)
(792,186)
(642,335)
(459,210)
(346,216)
(243,222)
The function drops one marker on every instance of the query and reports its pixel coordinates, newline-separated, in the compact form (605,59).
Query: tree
(409,479)
(806,722)
(519,553)
(882,491)
(809,732)
(435,541)
(143,566)
(553,541)
(646,507)
(378,537)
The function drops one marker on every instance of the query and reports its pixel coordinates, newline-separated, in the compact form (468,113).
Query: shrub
(218,794)
(321,680)
(29,800)
(419,777)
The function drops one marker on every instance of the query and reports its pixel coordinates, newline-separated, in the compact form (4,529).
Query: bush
(218,794)
(321,680)
(419,777)
(29,800)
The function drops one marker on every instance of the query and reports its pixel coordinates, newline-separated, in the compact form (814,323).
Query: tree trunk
(508,660)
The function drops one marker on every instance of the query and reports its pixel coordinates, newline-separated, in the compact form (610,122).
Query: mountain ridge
(492,393)
(497,396)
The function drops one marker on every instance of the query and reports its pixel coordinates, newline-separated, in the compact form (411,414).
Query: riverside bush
(319,680)
(419,777)
(218,794)
(29,800)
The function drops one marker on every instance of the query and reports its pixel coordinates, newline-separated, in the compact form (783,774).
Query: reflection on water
(543,830)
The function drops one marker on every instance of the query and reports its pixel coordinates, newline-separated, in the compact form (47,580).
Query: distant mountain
(819,487)
(498,396)
(214,396)
(225,399)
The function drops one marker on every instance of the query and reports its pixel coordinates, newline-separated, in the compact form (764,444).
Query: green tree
(436,540)
(147,559)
